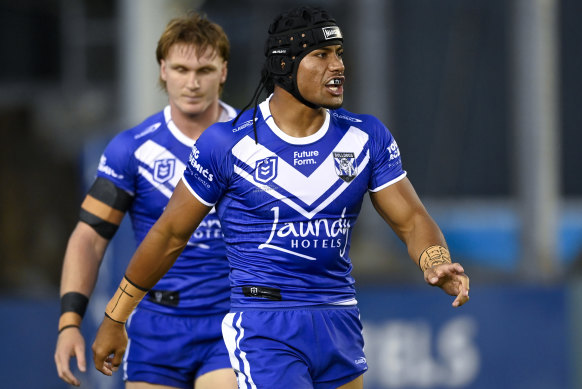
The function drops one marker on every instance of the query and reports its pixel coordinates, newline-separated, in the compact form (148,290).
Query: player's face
(193,78)
(320,76)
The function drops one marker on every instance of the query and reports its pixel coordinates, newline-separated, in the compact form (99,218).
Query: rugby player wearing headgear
(288,179)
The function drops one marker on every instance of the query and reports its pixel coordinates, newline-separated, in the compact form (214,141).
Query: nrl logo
(345,165)
(266,170)
(164,169)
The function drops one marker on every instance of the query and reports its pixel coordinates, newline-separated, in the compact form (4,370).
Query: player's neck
(293,117)
(193,125)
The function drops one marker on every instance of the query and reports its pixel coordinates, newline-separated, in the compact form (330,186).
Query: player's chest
(158,168)
(305,182)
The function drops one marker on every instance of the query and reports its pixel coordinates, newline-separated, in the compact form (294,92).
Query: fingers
(102,361)
(107,362)
(69,344)
(111,363)
(64,372)
(463,295)
(452,279)
(117,359)
(435,274)
(109,346)
(81,361)
(461,299)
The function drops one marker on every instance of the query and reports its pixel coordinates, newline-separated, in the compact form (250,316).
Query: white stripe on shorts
(128,347)
(229,333)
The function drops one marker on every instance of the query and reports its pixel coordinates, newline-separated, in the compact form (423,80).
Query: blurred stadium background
(483,97)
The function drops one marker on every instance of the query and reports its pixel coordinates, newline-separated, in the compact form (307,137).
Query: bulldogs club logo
(164,170)
(266,170)
(345,165)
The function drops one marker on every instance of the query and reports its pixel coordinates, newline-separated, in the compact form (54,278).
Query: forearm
(401,208)
(83,257)
(155,256)
(423,234)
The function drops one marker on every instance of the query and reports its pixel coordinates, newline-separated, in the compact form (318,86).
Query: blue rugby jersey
(148,161)
(287,205)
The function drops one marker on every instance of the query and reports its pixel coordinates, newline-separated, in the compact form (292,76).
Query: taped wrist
(124,301)
(73,307)
(433,256)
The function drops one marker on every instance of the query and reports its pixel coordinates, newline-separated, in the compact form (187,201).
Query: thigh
(173,350)
(302,348)
(259,354)
(221,378)
(146,385)
(340,359)
(357,383)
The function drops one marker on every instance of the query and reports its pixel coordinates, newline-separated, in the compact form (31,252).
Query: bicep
(400,207)
(398,204)
(83,256)
(183,213)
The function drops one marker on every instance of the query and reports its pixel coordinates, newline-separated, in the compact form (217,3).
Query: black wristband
(74,302)
(69,326)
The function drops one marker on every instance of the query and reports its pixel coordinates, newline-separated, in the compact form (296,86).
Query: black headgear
(292,35)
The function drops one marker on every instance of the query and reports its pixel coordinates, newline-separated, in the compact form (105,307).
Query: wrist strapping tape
(124,301)
(433,256)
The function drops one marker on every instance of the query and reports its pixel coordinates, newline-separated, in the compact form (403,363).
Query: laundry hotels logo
(321,233)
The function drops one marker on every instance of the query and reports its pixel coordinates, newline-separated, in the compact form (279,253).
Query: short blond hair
(193,29)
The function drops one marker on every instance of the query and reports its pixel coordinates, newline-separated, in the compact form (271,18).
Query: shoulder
(148,128)
(368,124)
(343,117)
(225,135)
(133,137)
(145,129)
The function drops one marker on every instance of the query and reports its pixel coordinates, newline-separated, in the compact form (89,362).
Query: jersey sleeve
(385,157)
(117,163)
(206,174)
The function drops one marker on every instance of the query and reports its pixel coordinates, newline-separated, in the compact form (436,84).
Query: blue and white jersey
(287,205)
(148,161)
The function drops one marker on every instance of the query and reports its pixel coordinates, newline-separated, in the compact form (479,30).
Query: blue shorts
(173,350)
(314,347)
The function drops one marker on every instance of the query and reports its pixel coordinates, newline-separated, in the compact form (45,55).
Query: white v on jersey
(287,205)
(148,161)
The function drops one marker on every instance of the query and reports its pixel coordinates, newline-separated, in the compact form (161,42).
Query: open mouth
(335,85)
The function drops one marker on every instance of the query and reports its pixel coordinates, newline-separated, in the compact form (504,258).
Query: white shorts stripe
(232,341)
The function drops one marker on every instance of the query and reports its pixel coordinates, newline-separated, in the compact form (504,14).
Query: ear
(163,66)
(224,72)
